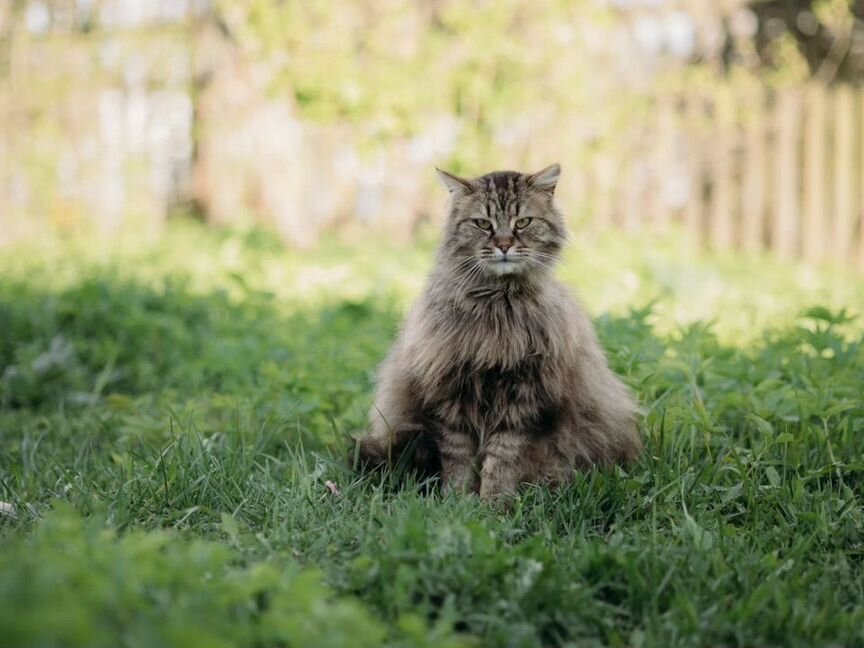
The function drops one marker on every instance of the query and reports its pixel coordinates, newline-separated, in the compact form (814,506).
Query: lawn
(171,415)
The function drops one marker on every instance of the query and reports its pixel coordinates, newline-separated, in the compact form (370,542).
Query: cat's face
(503,223)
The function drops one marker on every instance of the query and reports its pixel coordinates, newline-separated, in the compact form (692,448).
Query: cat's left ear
(454,183)
(546,179)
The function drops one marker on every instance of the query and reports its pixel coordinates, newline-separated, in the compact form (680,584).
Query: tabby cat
(497,377)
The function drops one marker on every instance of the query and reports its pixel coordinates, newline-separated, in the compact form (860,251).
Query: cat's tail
(401,452)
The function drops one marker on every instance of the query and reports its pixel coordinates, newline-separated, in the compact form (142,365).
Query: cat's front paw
(503,502)
(498,494)
(463,485)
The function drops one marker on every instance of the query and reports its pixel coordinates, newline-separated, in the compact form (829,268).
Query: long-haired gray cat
(497,377)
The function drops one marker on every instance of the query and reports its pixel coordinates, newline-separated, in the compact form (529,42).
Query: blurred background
(741,123)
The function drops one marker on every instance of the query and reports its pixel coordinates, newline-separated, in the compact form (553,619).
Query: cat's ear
(454,183)
(546,179)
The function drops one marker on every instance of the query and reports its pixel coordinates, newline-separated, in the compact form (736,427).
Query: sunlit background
(700,132)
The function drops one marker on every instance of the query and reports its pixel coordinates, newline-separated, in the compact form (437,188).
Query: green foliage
(170,419)
(390,67)
(77,584)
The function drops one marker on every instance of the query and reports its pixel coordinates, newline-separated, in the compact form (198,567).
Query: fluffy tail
(403,453)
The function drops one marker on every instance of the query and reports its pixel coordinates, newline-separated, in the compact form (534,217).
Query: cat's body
(497,374)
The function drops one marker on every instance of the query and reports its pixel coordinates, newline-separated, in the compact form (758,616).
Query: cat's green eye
(483,224)
(522,223)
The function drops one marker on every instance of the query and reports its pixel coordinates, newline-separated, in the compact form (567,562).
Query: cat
(497,377)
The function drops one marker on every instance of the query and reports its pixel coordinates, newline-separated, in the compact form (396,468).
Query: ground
(171,415)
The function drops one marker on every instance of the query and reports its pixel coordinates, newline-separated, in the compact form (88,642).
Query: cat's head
(502,224)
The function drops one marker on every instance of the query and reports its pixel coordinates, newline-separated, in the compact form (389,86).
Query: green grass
(169,416)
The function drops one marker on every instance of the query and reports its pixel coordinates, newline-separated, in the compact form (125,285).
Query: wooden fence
(82,139)
(753,170)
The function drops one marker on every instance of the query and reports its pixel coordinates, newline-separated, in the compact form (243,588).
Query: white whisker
(465,277)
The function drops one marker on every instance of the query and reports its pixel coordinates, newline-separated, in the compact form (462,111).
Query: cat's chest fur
(488,367)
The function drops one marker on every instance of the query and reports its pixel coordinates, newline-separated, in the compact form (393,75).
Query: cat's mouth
(505,265)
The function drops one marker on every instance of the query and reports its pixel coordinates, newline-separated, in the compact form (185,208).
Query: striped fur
(497,377)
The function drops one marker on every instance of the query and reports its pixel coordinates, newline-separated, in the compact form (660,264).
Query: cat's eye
(483,224)
(522,223)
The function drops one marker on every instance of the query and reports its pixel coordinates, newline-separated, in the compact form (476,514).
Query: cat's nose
(504,244)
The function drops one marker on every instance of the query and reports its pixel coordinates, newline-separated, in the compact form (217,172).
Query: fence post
(861,179)
(663,161)
(5,154)
(843,162)
(633,209)
(784,233)
(816,212)
(602,187)
(694,115)
(754,179)
(720,210)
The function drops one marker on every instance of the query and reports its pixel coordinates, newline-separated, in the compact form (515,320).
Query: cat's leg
(501,468)
(458,452)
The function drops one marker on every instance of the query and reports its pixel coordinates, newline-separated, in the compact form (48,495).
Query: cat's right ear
(454,183)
